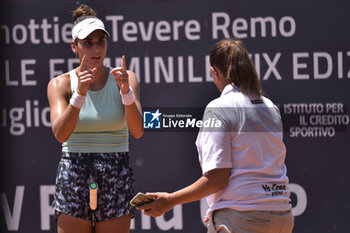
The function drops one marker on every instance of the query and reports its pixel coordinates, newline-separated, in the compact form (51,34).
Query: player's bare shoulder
(59,85)
(62,80)
(133,80)
(132,75)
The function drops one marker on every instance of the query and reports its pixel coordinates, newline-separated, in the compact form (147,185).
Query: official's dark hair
(232,59)
(82,12)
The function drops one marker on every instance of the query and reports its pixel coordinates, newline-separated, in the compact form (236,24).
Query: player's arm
(126,79)
(134,111)
(64,116)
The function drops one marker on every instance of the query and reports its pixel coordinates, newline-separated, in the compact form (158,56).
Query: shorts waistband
(95,156)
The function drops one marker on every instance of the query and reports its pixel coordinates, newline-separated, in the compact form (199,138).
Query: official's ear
(214,73)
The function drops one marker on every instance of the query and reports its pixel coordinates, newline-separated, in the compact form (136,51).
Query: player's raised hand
(122,77)
(85,76)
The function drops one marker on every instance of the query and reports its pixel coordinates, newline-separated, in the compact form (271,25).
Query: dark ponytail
(232,59)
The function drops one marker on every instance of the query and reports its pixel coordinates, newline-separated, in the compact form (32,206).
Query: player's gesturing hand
(122,77)
(85,76)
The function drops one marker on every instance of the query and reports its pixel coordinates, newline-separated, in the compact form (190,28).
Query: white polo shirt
(249,141)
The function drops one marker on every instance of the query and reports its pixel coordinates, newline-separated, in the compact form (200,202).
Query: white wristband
(128,98)
(77,100)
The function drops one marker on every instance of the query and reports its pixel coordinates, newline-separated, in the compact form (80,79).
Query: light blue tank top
(102,124)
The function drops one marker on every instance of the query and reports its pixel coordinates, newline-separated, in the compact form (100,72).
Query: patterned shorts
(112,173)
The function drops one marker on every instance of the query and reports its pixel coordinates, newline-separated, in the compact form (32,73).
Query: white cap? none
(85,27)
